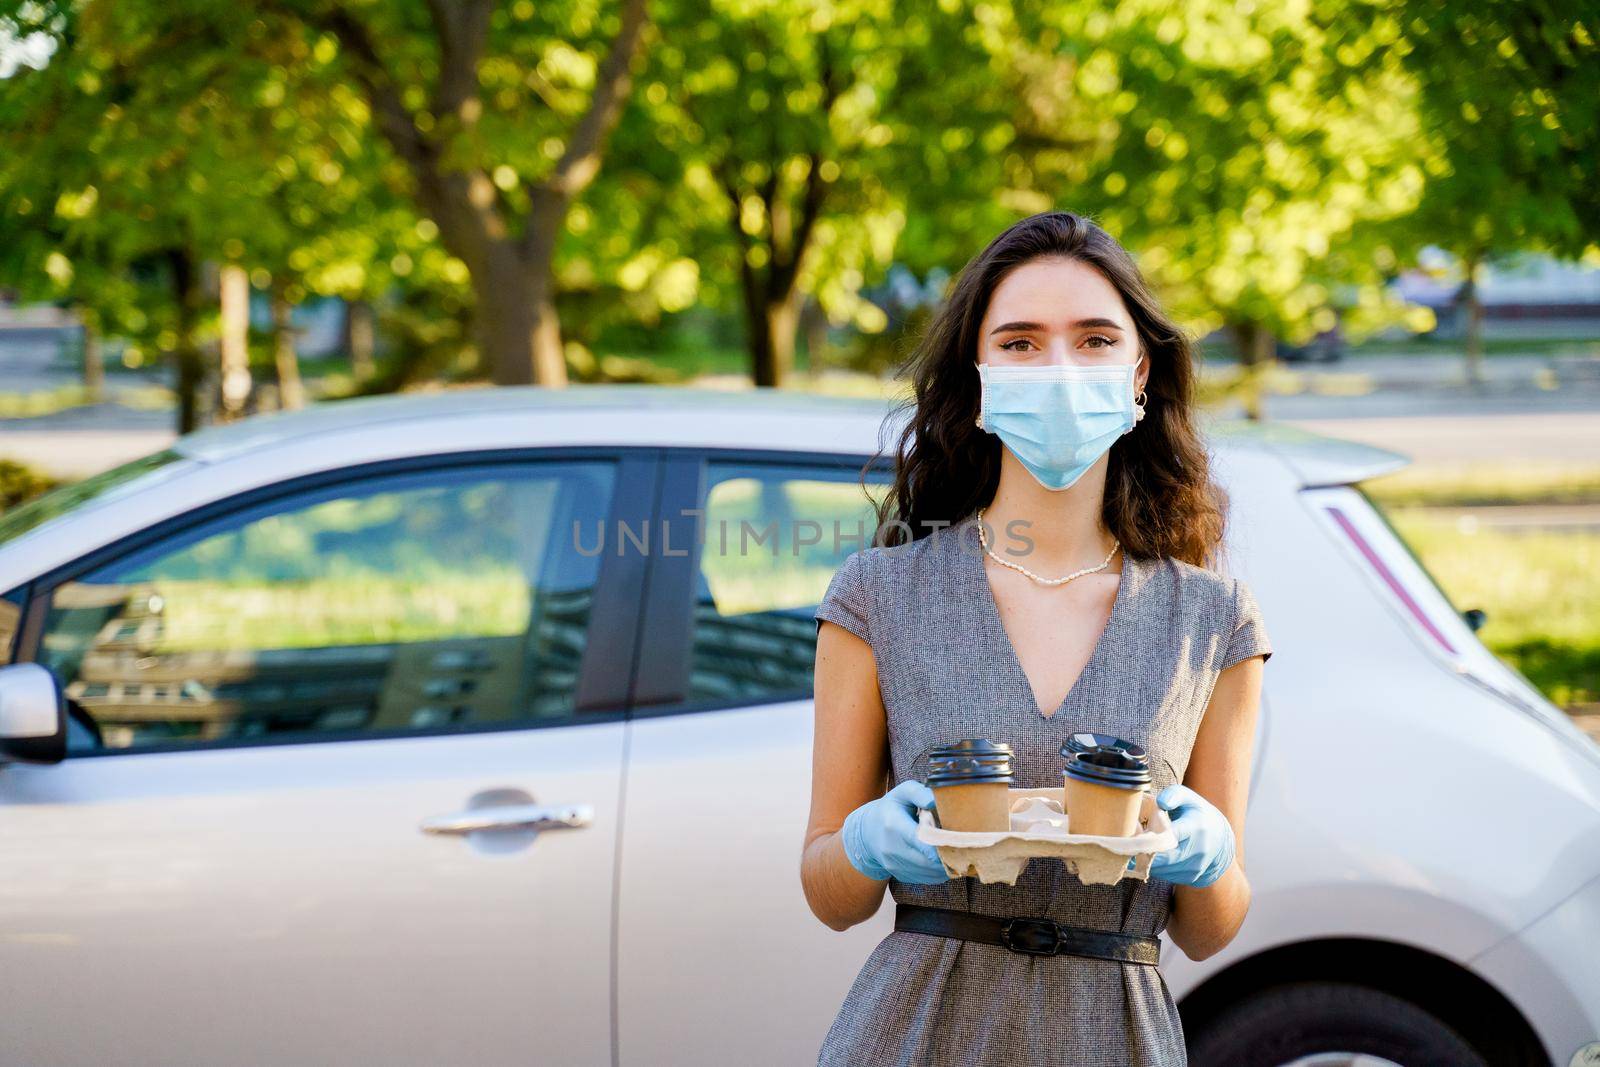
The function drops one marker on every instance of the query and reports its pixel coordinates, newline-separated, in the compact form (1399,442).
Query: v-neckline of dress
(991,612)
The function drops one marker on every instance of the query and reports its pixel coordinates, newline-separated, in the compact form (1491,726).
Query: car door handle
(512,817)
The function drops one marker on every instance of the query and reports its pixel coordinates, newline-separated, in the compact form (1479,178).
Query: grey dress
(947,670)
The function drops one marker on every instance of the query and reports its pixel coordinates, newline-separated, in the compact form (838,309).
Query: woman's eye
(1016,341)
(1107,341)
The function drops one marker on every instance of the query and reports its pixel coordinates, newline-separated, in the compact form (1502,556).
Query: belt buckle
(1035,937)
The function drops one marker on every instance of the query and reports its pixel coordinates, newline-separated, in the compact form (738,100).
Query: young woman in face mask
(1046,564)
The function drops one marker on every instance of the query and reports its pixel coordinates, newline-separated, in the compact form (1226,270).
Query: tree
(148,147)
(103,189)
(1508,95)
(1255,153)
(770,110)
(501,122)
(793,135)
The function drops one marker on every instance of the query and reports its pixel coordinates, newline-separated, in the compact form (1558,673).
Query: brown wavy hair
(1160,499)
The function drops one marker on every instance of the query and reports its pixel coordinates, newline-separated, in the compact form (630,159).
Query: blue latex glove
(1205,839)
(880,837)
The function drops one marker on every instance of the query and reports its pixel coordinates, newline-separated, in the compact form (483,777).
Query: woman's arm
(849,767)
(1204,920)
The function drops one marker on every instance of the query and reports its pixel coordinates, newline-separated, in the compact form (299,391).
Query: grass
(1492,346)
(1220,382)
(1539,588)
(686,363)
(1485,485)
(50,401)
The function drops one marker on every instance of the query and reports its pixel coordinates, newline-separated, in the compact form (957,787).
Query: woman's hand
(880,837)
(1205,839)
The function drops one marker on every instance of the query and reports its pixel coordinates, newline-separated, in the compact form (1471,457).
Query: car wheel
(1328,1024)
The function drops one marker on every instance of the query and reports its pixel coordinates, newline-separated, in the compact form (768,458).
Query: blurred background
(1381,219)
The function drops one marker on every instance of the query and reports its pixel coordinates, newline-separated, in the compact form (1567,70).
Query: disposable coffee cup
(1089,741)
(971,783)
(1104,790)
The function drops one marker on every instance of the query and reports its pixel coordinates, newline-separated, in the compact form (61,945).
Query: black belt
(1032,937)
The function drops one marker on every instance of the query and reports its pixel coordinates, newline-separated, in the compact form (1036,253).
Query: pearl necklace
(983,539)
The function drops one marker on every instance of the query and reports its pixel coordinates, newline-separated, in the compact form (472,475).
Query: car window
(10,624)
(771,540)
(404,602)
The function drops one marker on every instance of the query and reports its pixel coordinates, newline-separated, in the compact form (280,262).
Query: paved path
(1589,721)
(1535,408)
(78,453)
(1567,438)
(78,441)
(1517,518)
(1541,409)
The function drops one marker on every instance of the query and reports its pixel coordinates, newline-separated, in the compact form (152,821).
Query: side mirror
(33,714)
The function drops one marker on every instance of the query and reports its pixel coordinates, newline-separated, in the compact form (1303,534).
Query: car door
(343,777)
(719,958)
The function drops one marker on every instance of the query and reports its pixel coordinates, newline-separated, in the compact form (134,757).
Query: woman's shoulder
(1223,602)
(866,584)
(897,558)
(1194,576)
(1218,593)
(881,570)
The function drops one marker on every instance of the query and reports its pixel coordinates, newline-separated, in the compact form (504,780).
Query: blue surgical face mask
(1057,420)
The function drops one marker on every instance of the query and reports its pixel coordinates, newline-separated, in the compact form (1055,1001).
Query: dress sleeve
(1249,636)
(847,601)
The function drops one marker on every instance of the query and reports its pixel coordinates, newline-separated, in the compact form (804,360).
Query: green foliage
(1240,150)
(211,131)
(1507,96)
(19,484)
(762,131)
(1269,164)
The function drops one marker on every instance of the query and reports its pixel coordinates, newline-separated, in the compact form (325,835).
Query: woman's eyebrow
(1081,324)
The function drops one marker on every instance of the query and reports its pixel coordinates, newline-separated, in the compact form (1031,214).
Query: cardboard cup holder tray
(1039,828)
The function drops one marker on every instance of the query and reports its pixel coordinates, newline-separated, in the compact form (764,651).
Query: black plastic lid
(1109,766)
(972,746)
(1089,742)
(970,761)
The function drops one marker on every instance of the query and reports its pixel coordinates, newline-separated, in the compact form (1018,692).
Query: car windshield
(74,495)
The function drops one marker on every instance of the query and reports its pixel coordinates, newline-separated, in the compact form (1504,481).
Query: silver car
(477,727)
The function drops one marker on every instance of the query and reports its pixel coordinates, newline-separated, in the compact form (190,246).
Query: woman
(1043,569)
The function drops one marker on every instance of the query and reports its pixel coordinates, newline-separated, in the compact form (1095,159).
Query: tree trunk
(1473,301)
(772,323)
(519,336)
(549,355)
(815,322)
(285,357)
(1257,350)
(518,332)
(517,324)
(94,364)
(359,338)
(235,347)
(191,366)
